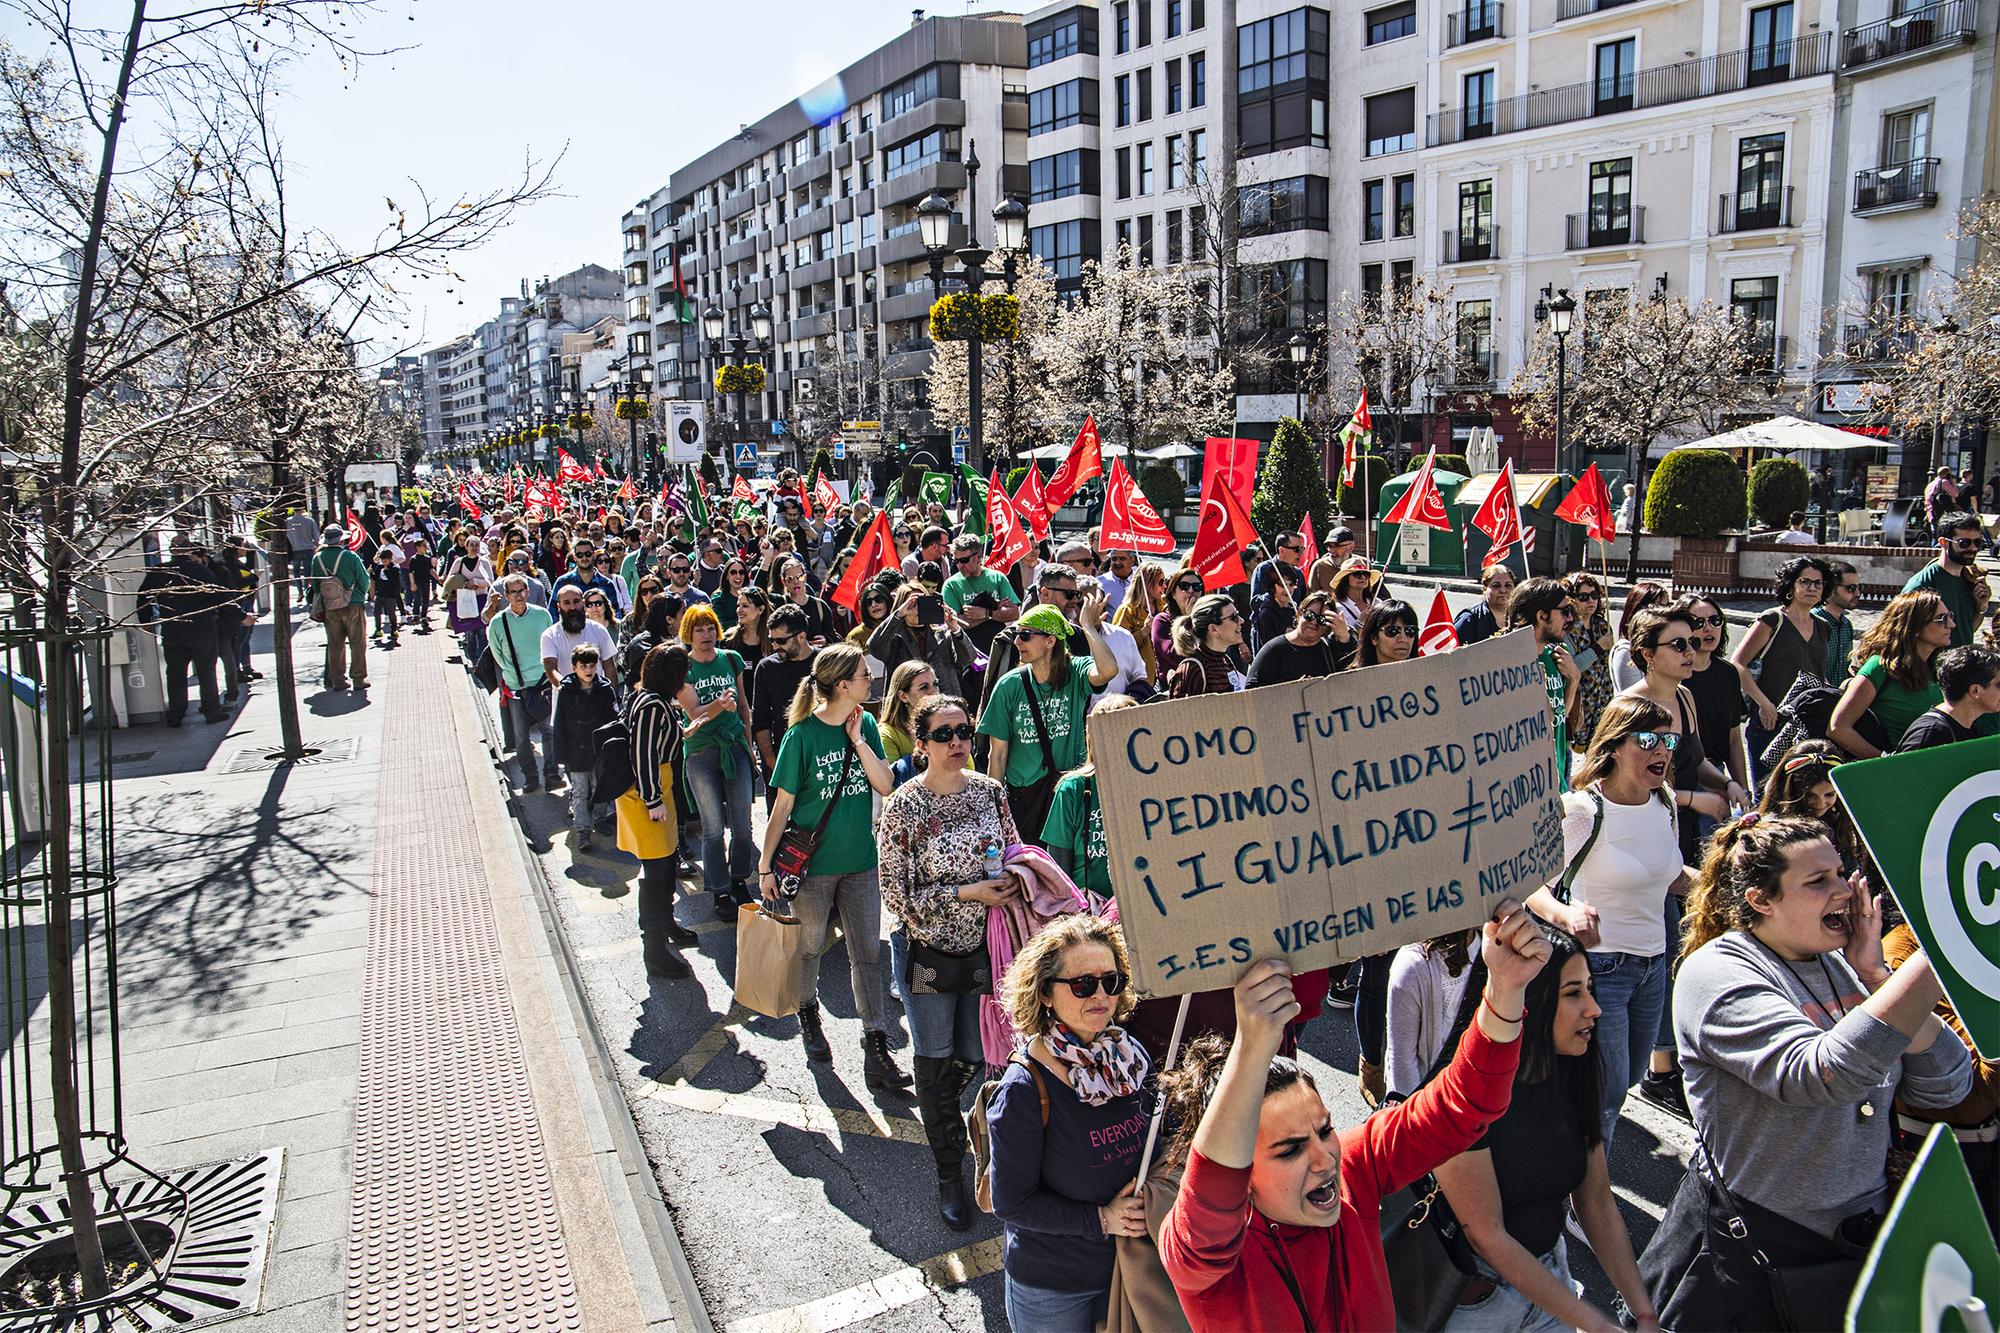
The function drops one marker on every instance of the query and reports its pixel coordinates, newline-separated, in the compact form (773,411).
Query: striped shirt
(656,742)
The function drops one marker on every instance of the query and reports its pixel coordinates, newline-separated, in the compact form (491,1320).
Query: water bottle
(994,860)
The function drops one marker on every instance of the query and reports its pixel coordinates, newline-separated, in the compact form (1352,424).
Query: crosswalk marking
(880,1295)
(707,1046)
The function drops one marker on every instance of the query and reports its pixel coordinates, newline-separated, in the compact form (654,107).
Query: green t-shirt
(809,759)
(724,606)
(506,632)
(958,589)
(1558,689)
(1897,706)
(1008,717)
(711,680)
(1076,824)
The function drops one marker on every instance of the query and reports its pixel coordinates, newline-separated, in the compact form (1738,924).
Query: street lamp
(1010,235)
(1298,347)
(1558,309)
(735,349)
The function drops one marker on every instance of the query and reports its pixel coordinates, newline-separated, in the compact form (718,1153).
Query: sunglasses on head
(961,731)
(1086,986)
(1653,740)
(1799,761)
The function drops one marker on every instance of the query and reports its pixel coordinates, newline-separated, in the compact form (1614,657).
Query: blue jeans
(524,740)
(1631,990)
(724,804)
(583,807)
(1043,1310)
(1665,1040)
(942,1027)
(1505,1310)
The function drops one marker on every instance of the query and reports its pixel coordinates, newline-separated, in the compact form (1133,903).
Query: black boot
(945,1129)
(662,961)
(677,935)
(813,1035)
(878,1069)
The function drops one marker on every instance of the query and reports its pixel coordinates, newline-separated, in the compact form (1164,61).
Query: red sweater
(1222,1254)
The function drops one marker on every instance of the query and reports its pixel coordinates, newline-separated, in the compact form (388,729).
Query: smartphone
(930,609)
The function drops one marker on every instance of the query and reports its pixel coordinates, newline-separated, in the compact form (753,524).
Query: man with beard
(571,628)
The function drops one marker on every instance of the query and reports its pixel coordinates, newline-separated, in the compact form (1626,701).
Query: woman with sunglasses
(1719,708)
(1318,644)
(728,589)
(1183,591)
(597,610)
(1590,642)
(1063,1181)
(1052,690)
(1895,679)
(1621,859)
(1787,640)
(796,591)
(1144,596)
(1625,673)
(1354,590)
(1209,642)
(642,597)
(875,602)
(1388,633)
(940,840)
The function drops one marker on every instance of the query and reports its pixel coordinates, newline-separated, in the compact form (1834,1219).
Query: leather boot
(878,1068)
(945,1130)
(662,961)
(813,1035)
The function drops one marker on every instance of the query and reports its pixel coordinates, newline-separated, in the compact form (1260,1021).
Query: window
(1755,302)
(1198,79)
(1173,19)
(1197,157)
(1906,136)
(1373,196)
(1297,204)
(1145,22)
(867,230)
(1771,44)
(1065,104)
(1892,295)
(1389,122)
(1121,20)
(1124,100)
(1286,49)
(1063,246)
(1371,286)
(1478,104)
(1146,235)
(1475,219)
(1173,86)
(1145,78)
(922,151)
(1197,220)
(1290,294)
(1124,173)
(1175,251)
(1616,71)
(1611,202)
(1405,191)
(1124,239)
(1760,182)
(1062,175)
(1475,341)
(1390,22)
(868,174)
(1403,276)
(1601,306)
(1145,168)
(912,92)
(1176,164)
(1197,15)
(1067,34)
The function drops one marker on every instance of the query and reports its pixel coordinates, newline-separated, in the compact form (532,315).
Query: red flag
(1354,437)
(805,501)
(741,492)
(1236,459)
(1422,504)
(628,491)
(1085,463)
(357,536)
(1224,534)
(1007,540)
(1130,522)
(465,503)
(568,471)
(824,493)
(508,492)
(1437,635)
(597,469)
(1500,517)
(875,552)
(1311,556)
(1588,505)
(1032,504)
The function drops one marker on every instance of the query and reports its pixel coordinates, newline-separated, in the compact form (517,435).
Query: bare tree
(1404,346)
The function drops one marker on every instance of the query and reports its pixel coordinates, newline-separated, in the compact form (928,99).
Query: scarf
(1115,1065)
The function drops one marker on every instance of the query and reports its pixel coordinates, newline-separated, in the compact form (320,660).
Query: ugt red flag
(597,469)
(628,491)
(357,536)
(875,552)
(741,492)
(465,502)
(1311,556)
(1500,516)
(1437,635)
(1422,504)
(1225,533)
(824,495)
(1007,540)
(1032,504)
(1130,521)
(1588,505)
(568,471)
(1084,463)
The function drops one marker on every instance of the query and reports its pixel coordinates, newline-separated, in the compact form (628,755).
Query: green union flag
(1931,820)
(936,486)
(1933,1253)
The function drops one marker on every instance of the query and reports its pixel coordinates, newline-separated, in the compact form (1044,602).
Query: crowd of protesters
(1718,940)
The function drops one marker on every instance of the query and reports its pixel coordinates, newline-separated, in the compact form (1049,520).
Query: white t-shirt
(557,642)
(1792,537)
(1131,666)
(1627,874)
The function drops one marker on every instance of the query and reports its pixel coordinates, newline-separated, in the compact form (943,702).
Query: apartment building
(1066,152)
(810,212)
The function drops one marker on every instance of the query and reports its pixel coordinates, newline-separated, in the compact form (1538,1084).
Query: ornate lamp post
(1559,309)
(1010,235)
(1298,347)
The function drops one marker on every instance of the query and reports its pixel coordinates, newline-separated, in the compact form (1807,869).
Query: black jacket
(579,713)
(188,597)
(949,653)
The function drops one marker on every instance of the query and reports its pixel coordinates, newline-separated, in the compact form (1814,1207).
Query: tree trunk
(284,671)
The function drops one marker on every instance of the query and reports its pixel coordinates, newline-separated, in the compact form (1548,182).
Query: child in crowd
(390,590)
(584,702)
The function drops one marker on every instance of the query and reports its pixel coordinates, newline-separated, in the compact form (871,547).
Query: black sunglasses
(962,731)
(1398,630)
(1677,644)
(1187,587)
(1086,986)
(1706,622)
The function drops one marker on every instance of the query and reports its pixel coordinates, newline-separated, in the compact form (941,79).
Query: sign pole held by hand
(1153,1129)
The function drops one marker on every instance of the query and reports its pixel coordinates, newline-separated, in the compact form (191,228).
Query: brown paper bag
(770,961)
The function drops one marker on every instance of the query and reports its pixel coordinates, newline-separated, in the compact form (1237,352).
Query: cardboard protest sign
(1328,819)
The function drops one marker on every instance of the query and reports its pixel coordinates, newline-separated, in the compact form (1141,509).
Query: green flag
(975,491)
(697,504)
(895,495)
(935,487)
(1933,1252)
(746,510)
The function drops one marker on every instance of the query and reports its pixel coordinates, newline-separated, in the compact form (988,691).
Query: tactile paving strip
(452,1224)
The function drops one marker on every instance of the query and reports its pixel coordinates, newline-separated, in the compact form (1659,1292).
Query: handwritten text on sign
(1328,819)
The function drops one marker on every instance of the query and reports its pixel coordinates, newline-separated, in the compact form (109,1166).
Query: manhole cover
(217,1268)
(329,752)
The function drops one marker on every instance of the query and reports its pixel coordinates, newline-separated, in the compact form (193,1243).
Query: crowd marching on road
(904,691)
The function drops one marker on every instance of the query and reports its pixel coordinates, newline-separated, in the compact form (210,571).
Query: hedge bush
(1372,471)
(1696,493)
(821,466)
(1290,485)
(1458,463)
(1779,488)
(1163,488)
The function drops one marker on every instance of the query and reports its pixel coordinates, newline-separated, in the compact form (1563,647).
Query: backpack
(611,773)
(979,1135)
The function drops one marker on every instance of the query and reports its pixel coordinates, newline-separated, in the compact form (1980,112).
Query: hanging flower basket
(630,409)
(739,379)
(965,315)
(551,432)
(580,421)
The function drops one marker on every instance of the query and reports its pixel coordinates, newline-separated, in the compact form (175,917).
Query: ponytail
(1745,854)
(833,664)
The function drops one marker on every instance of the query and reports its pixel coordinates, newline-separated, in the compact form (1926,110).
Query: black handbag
(485,670)
(1430,1260)
(932,971)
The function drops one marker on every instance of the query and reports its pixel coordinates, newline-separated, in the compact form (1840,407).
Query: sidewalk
(343,959)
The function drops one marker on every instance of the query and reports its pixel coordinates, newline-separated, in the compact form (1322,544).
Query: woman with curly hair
(1895,678)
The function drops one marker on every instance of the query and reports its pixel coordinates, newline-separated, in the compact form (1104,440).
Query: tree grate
(257,759)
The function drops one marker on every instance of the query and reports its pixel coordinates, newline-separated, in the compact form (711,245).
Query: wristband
(762,873)
(1487,1005)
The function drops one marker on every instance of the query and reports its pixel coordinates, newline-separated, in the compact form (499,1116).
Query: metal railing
(1932,25)
(1731,216)
(1574,9)
(1684,81)
(1476,246)
(1912,182)
(1768,359)
(1872,342)
(1479,21)
(1582,232)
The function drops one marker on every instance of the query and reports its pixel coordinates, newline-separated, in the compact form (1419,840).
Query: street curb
(655,1217)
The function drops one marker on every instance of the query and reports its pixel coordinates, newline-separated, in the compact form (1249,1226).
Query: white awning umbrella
(1783,435)
(1170,452)
(1061,451)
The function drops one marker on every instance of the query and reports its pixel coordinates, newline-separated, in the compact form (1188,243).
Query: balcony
(1767,360)
(1732,214)
(1481,245)
(1664,85)
(1949,23)
(1576,9)
(1871,343)
(1479,21)
(1583,231)
(1911,184)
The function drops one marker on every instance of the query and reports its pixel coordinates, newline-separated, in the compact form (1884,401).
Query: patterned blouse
(930,845)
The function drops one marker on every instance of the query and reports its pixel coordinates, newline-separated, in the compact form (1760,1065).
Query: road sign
(1931,820)
(746,458)
(957,453)
(777,425)
(839,449)
(1934,1252)
(687,430)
